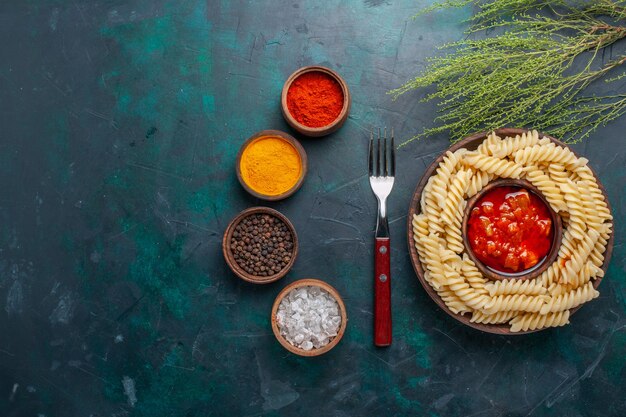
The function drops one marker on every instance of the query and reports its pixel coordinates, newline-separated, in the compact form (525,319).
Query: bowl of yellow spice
(271,165)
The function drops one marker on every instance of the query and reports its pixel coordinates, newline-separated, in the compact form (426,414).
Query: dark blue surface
(120,125)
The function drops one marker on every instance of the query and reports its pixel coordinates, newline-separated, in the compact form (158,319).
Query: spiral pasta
(433,261)
(491,141)
(505,148)
(545,153)
(453,235)
(576,261)
(557,173)
(473,275)
(456,283)
(568,245)
(570,188)
(452,209)
(597,254)
(533,321)
(575,208)
(454,303)
(478,179)
(548,188)
(431,209)
(501,317)
(517,302)
(420,228)
(570,299)
(588,272)
(496,166)
(515,286)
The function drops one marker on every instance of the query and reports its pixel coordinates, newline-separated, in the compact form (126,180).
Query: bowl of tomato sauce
(510,230)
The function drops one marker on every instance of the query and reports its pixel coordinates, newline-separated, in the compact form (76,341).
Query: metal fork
(382,171)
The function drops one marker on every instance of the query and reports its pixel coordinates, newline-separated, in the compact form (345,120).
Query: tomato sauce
(510,229)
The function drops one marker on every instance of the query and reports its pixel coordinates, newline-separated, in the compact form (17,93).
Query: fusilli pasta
(534,321)
(570,188)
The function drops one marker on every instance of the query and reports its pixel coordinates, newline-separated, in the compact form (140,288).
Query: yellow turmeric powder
(270,165)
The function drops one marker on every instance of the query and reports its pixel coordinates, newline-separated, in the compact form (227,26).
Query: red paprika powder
(315,99)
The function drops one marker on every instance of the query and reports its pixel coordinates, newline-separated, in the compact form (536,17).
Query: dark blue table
(120,125)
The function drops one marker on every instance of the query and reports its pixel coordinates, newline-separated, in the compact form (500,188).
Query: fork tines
(388,162)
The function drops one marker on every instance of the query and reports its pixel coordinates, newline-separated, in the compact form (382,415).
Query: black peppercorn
(262,244)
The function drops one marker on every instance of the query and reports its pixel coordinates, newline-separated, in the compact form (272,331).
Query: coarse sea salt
(308,317)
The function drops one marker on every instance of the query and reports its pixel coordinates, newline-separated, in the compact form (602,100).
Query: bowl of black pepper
(260,245)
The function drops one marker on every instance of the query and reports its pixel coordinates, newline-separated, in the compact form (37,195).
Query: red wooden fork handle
(382,293)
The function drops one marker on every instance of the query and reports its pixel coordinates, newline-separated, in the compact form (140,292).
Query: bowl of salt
(308,317)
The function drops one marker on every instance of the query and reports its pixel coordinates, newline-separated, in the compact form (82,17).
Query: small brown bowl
(316,131)
(342,310)
(228,253)
(541,266)
(293,142)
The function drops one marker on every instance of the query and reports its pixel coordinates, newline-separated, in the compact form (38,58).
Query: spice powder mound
(262,245)
(270,165)
(315,99)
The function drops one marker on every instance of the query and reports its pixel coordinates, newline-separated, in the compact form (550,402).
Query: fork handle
(382,293)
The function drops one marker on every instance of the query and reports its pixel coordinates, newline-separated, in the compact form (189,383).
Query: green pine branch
(533,72)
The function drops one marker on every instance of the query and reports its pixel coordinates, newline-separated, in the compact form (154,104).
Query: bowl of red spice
(315,101)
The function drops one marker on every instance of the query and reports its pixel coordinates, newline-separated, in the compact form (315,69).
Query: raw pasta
(473,275)
(517,302)
(489,143)
(571,299)
(545,153)
(515,286)
(477,181)
(496,166)
(507,147)
(460,286)
(548,188)
(570,188)
(501,317)
(534,321)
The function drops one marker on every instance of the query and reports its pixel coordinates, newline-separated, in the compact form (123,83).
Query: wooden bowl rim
(556,237)
(289,139)
(316,131)
(293,142)
(228,254)
(342,310)
(501,329)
